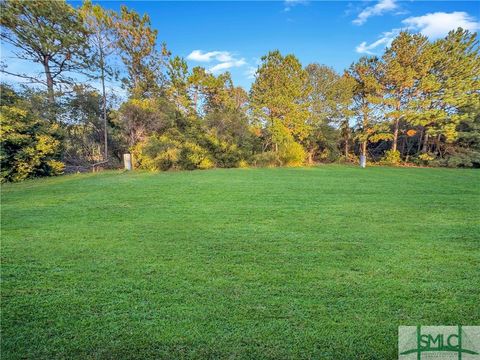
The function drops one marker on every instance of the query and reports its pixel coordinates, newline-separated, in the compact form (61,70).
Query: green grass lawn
(297,263)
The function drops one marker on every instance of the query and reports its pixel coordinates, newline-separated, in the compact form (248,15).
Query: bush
(156,153)
(163,152)
(425,159)
(266,159)
(292,154)
(242,164)
(463,158)
(29,146)
(193,156)
(392,157)
(225,154)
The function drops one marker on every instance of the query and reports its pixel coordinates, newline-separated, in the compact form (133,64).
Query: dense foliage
(417,104)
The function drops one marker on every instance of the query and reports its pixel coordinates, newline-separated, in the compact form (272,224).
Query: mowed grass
(304,263)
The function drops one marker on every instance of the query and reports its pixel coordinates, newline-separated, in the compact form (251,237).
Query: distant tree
(215,93)
(50,33)
(84,126)
(406,62)
(465,151)
(455,99)
(279,99)
(239,97)
(331,97)
(136,42)
(178,84)
(139,118)
(196,82)
(367,99)
(100,25)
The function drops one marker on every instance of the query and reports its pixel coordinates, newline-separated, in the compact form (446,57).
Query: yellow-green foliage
(163,152)
(292,154)
(288,154)
(392,157)
(28,145)
(156,153)
(242,164)
(193,156)
(426,157)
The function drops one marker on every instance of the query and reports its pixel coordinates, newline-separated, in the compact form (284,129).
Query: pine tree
(405,63)
(50,33)
(456,69)
(279,99)
(100,25)
(367,99)
(178,84)
(136,42)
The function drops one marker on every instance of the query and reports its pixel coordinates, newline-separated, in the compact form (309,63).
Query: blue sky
(233,35)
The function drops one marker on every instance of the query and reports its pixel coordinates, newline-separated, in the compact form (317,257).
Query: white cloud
(200,56)
(436,25)
(224,59)
(380,8)
(289,4)
(385,40)
(433,25)
(227,65)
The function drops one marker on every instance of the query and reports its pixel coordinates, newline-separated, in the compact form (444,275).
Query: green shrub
(156,153)
(243,164)
(225,154)
(292,154)
(266,159)
(163,152)
(463,157)
(29,146)
(193,156)
(392,157)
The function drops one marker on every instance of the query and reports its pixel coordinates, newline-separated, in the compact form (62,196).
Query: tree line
(418,103)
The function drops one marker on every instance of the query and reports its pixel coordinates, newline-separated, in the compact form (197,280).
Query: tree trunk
(365,125)
(420,141)
(195,100)
(425,143)
(395,134)
(48,75)
(104,103)
(50,89)
(346,147)
(364,148)
(310,157)
(438,146)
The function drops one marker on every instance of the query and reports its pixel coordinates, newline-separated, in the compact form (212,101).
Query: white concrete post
(363,161)
(127,161)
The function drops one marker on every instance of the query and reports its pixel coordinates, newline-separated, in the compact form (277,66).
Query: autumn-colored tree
(405,63)
(215,93)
